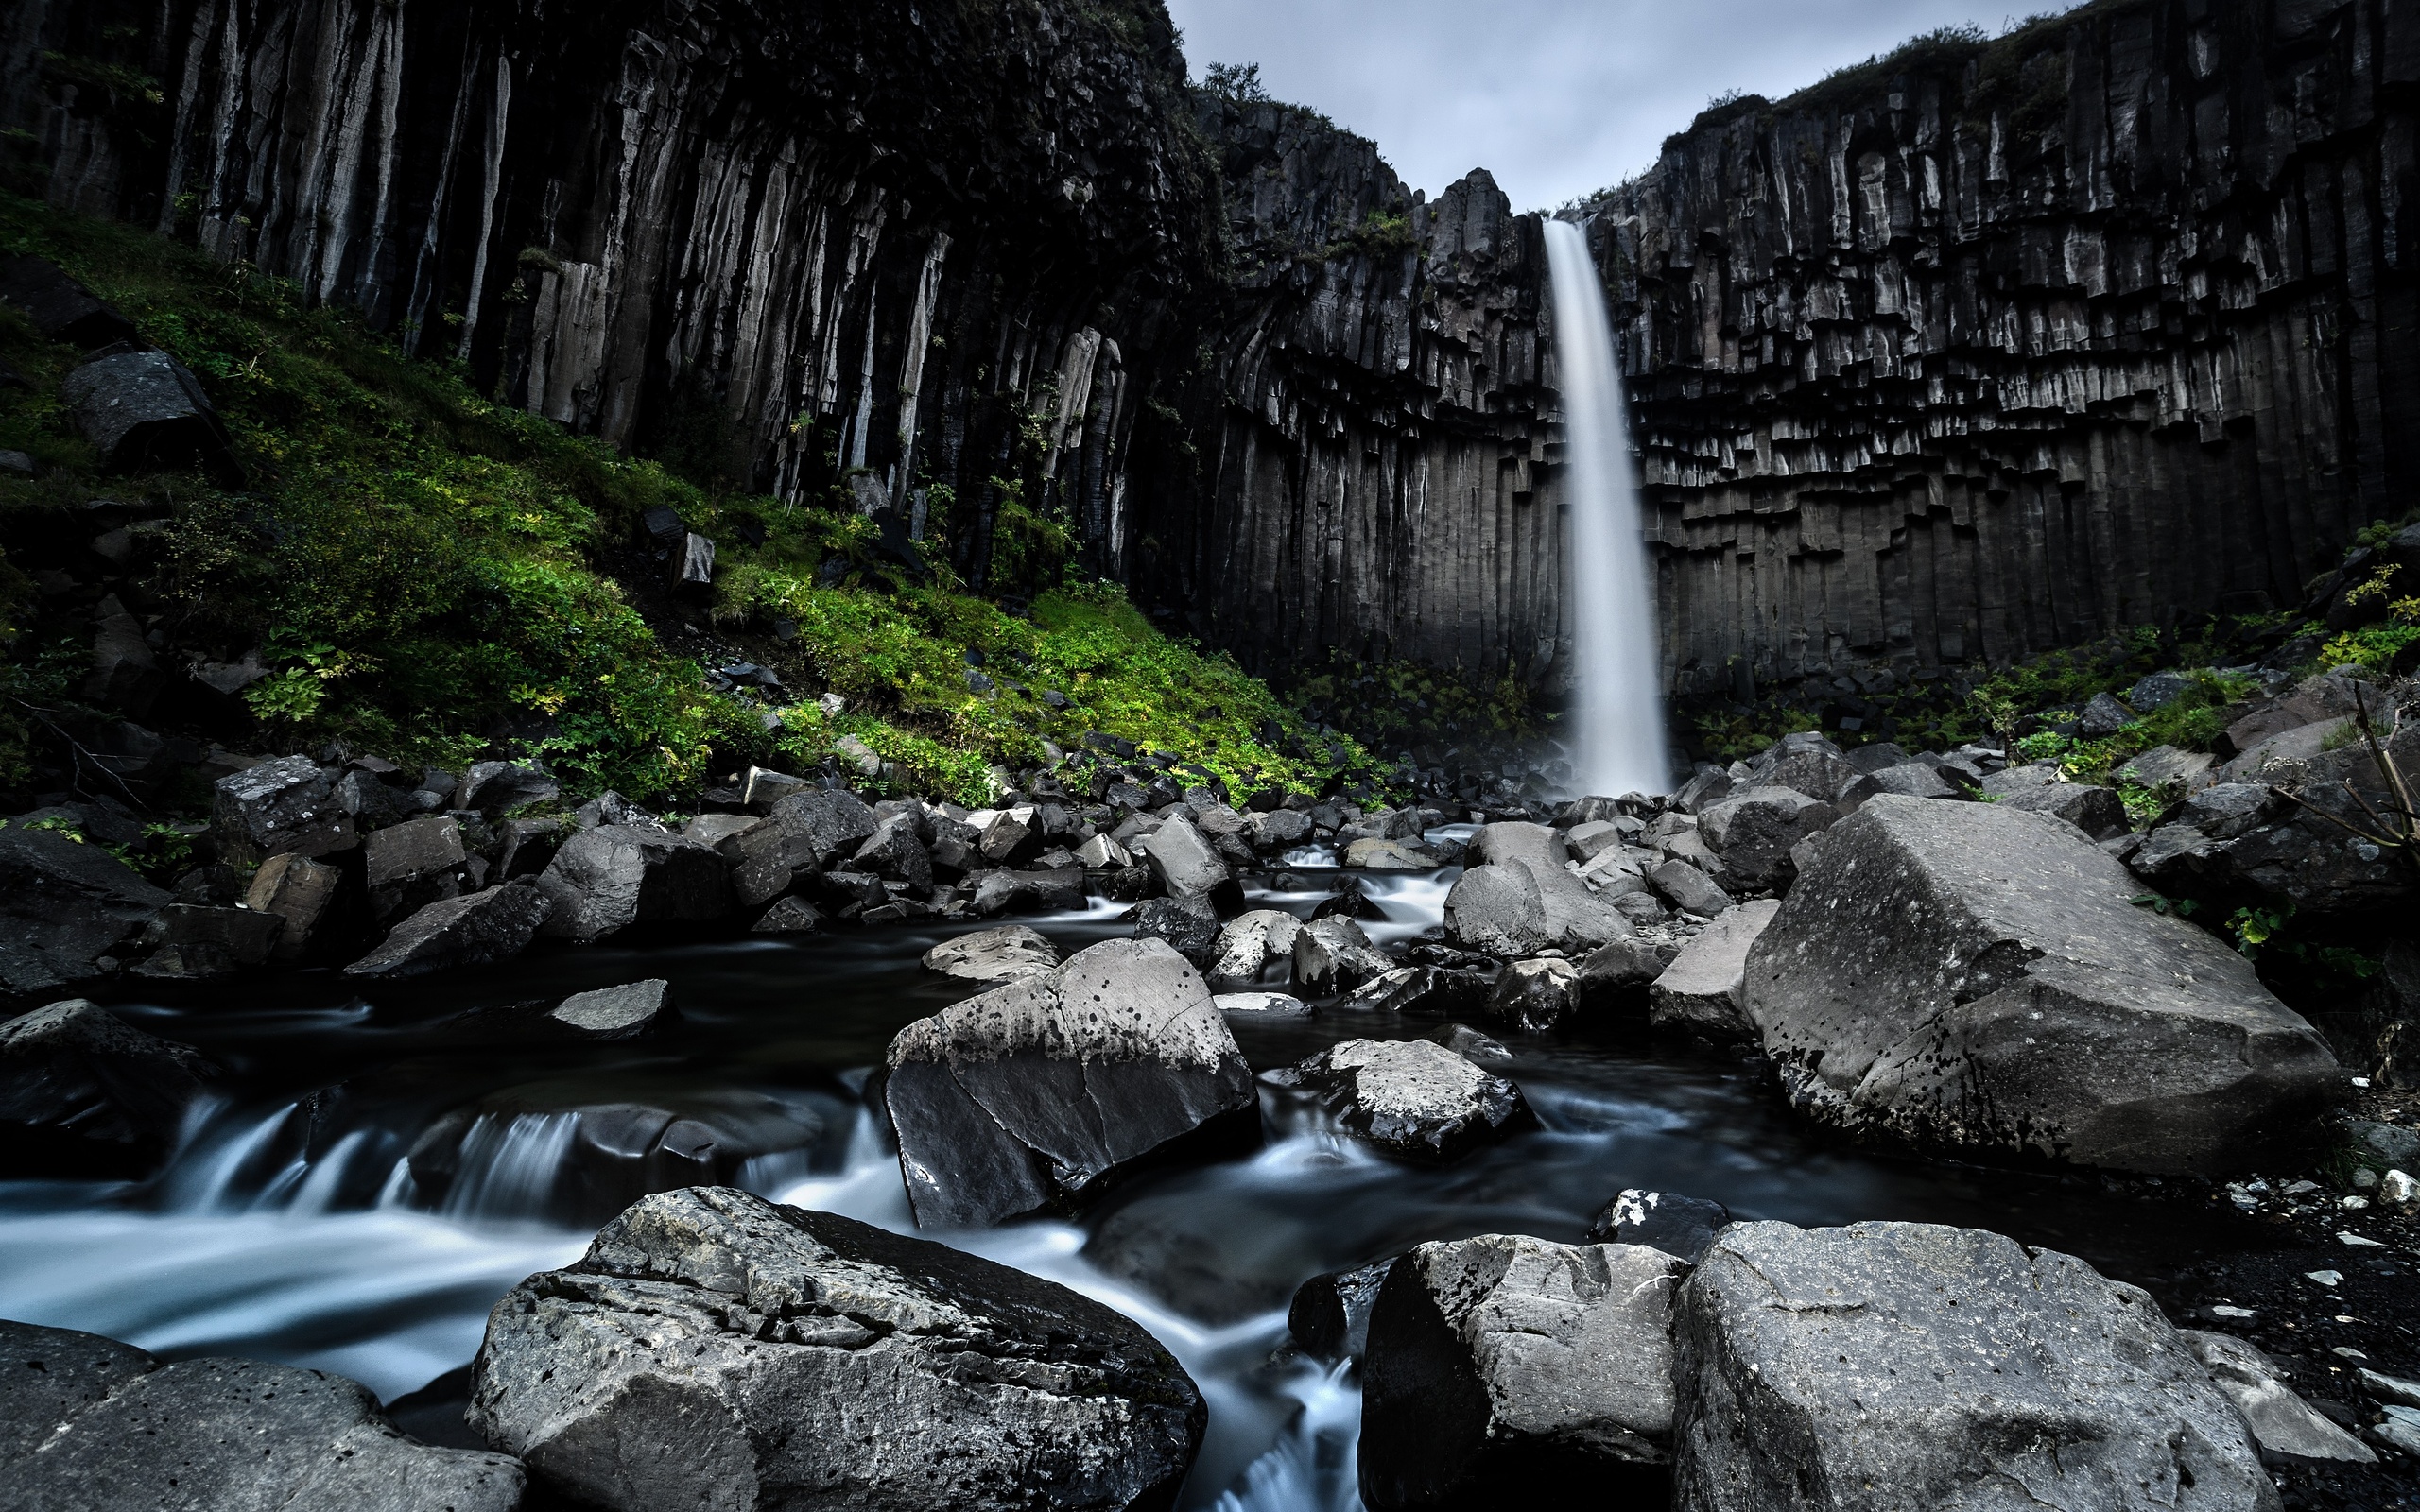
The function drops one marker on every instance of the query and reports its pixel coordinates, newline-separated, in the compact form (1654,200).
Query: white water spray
(1618,743)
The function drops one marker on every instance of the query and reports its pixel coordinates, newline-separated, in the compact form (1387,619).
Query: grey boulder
(615,1013)
(90,1425)
(67,911)
(1021,1100)
(2281,1422)
(1687,889)
(300,893)
(1535,996)
(84,1093)
(1411,1098)
(1184,861)
(1505,1369)
(2097,810)
(1251,947)
(411,865)
(146,410)
(1972,978)
(1890,1365)
(1334,956)
(286,805)
(617,877)
(715,1350)
(804,834)
(1677,1226)
(480,930)
(1188,923)
(1754,832)
(1519,899)
(1004,954)
(1700,992)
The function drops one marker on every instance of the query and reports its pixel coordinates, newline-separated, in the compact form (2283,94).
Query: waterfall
(1617,744)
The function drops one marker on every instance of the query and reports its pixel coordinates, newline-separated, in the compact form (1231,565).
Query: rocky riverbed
(1805,1041)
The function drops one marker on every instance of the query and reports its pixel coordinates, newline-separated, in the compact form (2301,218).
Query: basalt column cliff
(2002,346)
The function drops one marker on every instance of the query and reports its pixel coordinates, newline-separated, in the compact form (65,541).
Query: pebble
(2223,1311)
(2326,1277)
(2356,1242)
(2392,1389)
(2397,1190)
(2348,1353)
(2356,1203)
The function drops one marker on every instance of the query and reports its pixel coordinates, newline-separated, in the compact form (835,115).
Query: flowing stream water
(290,1226)
(1618,745)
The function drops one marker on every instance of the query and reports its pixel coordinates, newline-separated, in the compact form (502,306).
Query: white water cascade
(1617,744)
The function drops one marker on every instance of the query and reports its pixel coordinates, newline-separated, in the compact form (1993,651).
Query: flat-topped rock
(1412,1098)
(1003,953)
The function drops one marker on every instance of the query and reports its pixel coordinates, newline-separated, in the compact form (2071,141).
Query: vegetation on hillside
(434,577)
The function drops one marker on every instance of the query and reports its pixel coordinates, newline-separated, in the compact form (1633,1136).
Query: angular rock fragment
(2281,1422)
(82,1094)
(618,877)
(1263,1004)
(1185,864)
(1252,948)
(804,832)
(2097,810)
(1535,996)
(279,807)
(1188,924)
(91,1424)
(411,865)
(789,916)
(1334,956)
(1519,900)
(145,410)
(1814,1364)
(1412,1098)
(715,1350)
(1002,955)
(1515,1370)
(895,853)
(1021,1100)
(1970,977)
(68,912)
(240,936)
(1029,892)
(299,891)
(1754,832)
(614,1013)
(1678,1225)
(479,930)
(1700,992)
(496,788)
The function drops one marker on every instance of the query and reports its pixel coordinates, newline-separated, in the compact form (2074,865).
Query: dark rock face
(617,877)
(1329,1316)
(1970,977)
(1814,1364)
(1682,1227)
(414,864)
(612,1013)
(88,1424)
(143,409)
(82,1094)
(1411,1098)
(486,927)
(796,1333)
(1510,1367)
(280,807)
(66,908)
(1022,1099)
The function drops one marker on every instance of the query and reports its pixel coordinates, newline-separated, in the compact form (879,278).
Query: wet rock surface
(1020,1100)
(1001,955)
(714,1349)
(1411,1098)
(84,1093)
(93,1425)
(67,909)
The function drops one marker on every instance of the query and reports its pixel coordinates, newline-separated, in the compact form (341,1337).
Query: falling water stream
(290,1225)
(1618,745)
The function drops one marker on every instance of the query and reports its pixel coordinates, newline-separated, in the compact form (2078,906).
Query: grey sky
(1556,97)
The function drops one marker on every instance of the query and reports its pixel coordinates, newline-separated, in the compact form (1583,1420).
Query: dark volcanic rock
(1970,977)
(1330,1313)
(1189,925)
(1412,1098)
(1518,1371)
(59,308)
(822,1361)
(1814,1364)
(1677,1226)
(280,807)
(82,1094)
(414,864)
(496,788)
(617,877)
(142,410)
(1519,899)
(1022,1099)
(65,909)
(1001,955)
(90,1425)
(610,1013)
(480,930)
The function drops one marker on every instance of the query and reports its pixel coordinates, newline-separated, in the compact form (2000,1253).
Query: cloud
(1555,98)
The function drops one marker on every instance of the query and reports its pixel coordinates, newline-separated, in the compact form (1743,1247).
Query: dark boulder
(1970,977)
(281,807)
(1677,1226)
(88,1424)
(411,865)
(1334,956)
(1700,993)
(1518,1372)
(1536,996)
(789,916)
(804,834)
(1329,1316)
(82,1094)
(1411,1098)
(496,789)
(1189,925)
(1754,832)
(824,1362)
(1254,948)
(1815,1364)
(1025,1099)
(1029,892)
(1187,866)
(69,912)
(894,853)
(60,307)
(612,1013)
(479,930)
(2097,810)
(1519,900)
(619,877)
(302,894)
(144,410)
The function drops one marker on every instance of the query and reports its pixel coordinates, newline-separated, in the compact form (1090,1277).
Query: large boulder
(146,410)
(88,1424)
(1189,925)
(1252,949)
(2099,812)
(804,834)
(1185,862)
(713,1351)
(411,865)
(1891,1365)
(68,911)
(1004,954)
(1334,955)
(2281,1422)
(300,893)
(480,930)
(1508,1370)
(1411,1098)
(1754,832)
(1025,1099)
(1700,992)
(620,876)
(1971,978)
(1535,996)
(83,1093)
(1518,899)
(280,807)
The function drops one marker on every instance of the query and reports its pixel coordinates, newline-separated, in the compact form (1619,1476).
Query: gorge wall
(1979,349)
